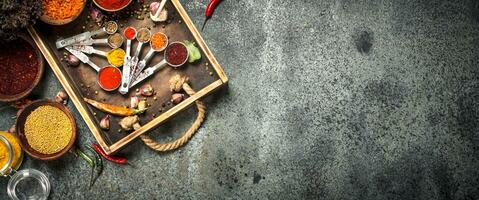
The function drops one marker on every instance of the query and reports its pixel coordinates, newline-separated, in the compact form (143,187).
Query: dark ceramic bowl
(20,127)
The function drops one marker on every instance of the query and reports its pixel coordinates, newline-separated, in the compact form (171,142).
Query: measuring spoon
(166,61)
(83,58)
(113,27)
(125,79)
(107,41)
(149,55)
(90,50)
(143,36)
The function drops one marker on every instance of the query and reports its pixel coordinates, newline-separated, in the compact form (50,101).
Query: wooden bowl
(109,10)
(20,126)
(57,22)
(41,68)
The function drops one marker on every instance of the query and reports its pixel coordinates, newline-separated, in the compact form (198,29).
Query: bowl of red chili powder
(21,68)
(112,5)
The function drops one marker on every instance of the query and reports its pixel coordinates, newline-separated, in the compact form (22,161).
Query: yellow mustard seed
(48,130)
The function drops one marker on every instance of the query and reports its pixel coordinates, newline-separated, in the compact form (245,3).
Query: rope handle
(176,84)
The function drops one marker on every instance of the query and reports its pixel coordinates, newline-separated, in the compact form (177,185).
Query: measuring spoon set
(134,70)
(80,44)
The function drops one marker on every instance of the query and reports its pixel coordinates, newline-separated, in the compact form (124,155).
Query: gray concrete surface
(345,99)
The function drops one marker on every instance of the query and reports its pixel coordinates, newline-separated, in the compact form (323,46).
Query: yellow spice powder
(48,129)
(17,150)
(116,57)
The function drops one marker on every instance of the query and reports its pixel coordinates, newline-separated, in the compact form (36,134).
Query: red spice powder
(109,78)
(129,33)
(176,54)
(18,67)
(112,4)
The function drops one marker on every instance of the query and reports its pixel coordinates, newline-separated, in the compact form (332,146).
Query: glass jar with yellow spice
(23,184)
(17,153)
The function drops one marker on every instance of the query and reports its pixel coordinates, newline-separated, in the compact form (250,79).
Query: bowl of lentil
(61,12)
(46,130)
(22,67)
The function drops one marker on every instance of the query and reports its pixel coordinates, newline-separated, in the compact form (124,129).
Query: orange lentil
(158,41)
(62,9)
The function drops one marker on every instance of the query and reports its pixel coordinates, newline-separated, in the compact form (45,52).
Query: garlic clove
(163,13)
(177,98)
(58,99)
(134,102)
(61,97)
(154,7)
(95,14)
(105,123)
(72,60)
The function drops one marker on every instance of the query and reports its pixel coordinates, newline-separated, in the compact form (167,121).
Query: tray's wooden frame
(82,106)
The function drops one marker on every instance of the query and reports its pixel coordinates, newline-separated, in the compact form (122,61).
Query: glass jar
(26,183)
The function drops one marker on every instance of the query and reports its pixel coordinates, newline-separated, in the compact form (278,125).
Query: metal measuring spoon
(152,70)
(107,41)
(112,28)
(149,55)
(143,36)
(83,58)
(125,79)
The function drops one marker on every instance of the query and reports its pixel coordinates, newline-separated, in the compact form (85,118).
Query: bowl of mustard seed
(46,129)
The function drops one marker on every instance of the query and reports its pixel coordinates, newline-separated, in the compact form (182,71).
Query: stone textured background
(346,99)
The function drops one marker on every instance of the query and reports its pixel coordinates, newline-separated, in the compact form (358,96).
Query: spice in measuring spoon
(158,42)
(115,40)
(111,27)
(115,56)
(109,78)
(130,34)
(176,54)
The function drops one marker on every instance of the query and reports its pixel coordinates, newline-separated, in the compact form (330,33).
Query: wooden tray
(79,82)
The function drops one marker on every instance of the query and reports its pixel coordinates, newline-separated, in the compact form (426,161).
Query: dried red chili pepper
(115,159)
